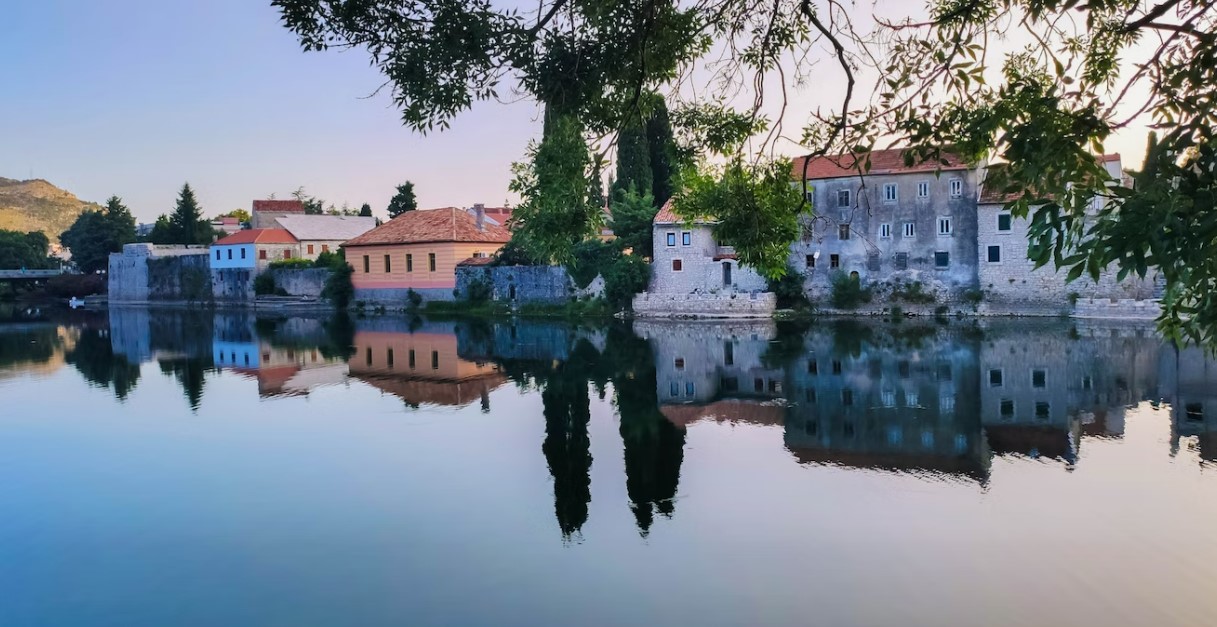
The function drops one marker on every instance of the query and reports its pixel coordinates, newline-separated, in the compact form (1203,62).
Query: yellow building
(419,251)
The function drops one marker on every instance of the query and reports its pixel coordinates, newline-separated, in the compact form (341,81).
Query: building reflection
(1189,386)
(421,364)
(285,357)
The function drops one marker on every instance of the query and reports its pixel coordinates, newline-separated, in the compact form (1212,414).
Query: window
(912,399)
(1039,378)
(885,231)
(1042,410)
(1007,409)
(217,254)
(230,254)
(956,188)
(677,266)
(242,253)
(388,264)
(1087,383)
(923,189)
(411,357)
(409,262)
(431,261)
(310,249)
(758,385)
(686,238)
(367,264)
(843,231)
(479,255)
(994,254)
(813,368)
(679,362)
(287,254)
(1003,222)
(889,192)
(435,360)
(995,378)
(872,262)
(671,239)
(262,255)
(811,261)
(729,384)
(910,229)
(325,248)
(942,259)
(836,366)
(944,226)
(834,261)
(843,198)
(902,261)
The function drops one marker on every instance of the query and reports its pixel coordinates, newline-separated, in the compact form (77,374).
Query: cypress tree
(633,159)
(662,151)
(187,225)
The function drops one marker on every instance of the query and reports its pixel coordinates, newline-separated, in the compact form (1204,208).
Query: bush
(295,263)
(789,290)
(847,292)
(338,287)
(264,284)
(330,260)
(624,278)
(478,292)
(76,285)
(590,256)
(912,293)
(414,300)
(973,297)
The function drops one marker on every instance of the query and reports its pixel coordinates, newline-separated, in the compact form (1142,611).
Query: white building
(688,260)
(321,234)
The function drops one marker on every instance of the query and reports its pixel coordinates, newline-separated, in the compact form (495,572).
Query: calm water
(175,468)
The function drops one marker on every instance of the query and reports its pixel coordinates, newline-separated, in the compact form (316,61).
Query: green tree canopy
(366,210)
(241,215)
(633,214)
(403,200)
(186,225)
(96,234)
(24,250)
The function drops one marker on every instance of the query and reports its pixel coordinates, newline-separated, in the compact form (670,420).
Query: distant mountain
(36,205)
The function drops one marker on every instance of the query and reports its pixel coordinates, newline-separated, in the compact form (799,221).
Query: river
(195,468)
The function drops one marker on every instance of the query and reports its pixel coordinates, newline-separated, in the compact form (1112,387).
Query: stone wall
(232,284)
(301,281)
(700,271)
(145,272)
(398,298)
(1122,308)
(724,305)
(526,284)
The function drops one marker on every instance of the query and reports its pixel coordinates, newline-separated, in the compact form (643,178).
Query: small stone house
(419,250)
(896,222)
(323,234)
(253,249)
(688,259)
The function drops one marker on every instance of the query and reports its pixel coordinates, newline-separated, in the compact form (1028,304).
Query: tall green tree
(24,250)
(661,144)
(96,234)
(187,224)
(403,200)
(633,159)
(365,211)
(633,214)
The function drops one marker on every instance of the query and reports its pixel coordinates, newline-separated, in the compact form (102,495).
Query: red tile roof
(666,215)
(257,236)
(449,224)
(476,261)
(283,206)
(889,161)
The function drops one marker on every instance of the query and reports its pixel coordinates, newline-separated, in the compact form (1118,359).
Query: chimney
(479,216)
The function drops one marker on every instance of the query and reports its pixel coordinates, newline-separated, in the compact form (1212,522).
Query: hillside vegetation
(37,205)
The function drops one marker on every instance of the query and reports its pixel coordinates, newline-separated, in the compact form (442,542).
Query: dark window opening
(942,259)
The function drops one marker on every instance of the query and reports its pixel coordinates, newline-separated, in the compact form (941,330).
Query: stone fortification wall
(146,272)
(526,284)
(728,305)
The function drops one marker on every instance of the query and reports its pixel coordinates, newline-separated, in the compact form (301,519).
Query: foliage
(185,225)
(755,209)
(633,215)
(24,250)
(662,148)
(478,292)
(913,292)
(413,299)
(78,285)
(330,260)
(633,160)
(403,200)
(555,213)
(624,278)
(295,263)
(513,254)
(847,291)
(789,291)
(196,285)
(241,215)
(96,234)
(365,211)
(264,284)
(339,289)
(589,257)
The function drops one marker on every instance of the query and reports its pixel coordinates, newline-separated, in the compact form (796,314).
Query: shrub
(78,285)
(330,260)
(847,292)
(338,287)
(624,278)
(295,263)
(590,256)
(414,300)
(1073,298)
(912,293)
(478,292)
(789,290)
(264,284)
(941,310)
(973,296)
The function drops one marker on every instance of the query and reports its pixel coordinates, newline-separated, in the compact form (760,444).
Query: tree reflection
(95,359)
(190,373)
(567,447)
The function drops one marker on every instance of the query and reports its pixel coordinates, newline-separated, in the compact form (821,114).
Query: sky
(135,97)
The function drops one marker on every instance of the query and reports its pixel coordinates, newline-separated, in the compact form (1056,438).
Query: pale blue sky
(134,97)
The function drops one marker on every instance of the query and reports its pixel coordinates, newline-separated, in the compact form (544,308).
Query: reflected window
(410,357)
(1007,409)
(1194,412)
(946,403)
(836,367)
(1042,410)
(775,386)
(758,385)
(673,389)
(728,353)
(911,399)
(689,389)
(811,427)
(1087,383)
(944,372)
(927,439)
(729,384)
(367,355)
(847,428)
(435,360)
(389,357)
(1039,378)
(895,435)
(889,398)
(902,367)
(961,443)
(811,395)
(679,363)
(996,377)
(812,367)
(847,397)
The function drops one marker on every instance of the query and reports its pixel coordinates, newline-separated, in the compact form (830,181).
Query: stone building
(1011,281)
(149,272)
(895,223)
(1188,379)
(265,212)
(323,234)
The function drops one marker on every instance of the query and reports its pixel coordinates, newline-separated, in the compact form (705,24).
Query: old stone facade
(896,223)
(688,260)
(523,284)
(148,272)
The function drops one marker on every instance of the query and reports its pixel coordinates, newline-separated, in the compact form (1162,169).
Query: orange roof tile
(449,224)
(666,215)
(477,261)
(257,236)
(889,161)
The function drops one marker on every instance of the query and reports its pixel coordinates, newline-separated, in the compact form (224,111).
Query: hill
(36,205)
